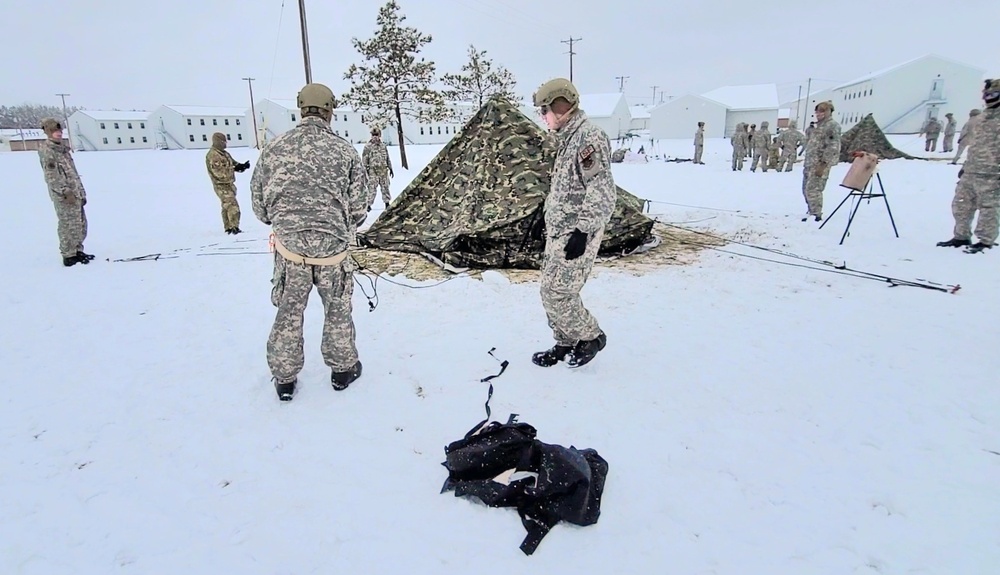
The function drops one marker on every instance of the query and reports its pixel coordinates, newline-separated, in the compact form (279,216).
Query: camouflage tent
(478,203)
(866,136)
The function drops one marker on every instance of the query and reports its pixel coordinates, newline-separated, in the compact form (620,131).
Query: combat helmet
(316,96)
(556,88)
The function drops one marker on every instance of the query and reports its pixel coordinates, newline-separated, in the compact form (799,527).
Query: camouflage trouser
(961,148)
(759,156)
(380,179)
(292,284)
(71,226)
(698,149)
(812,189)
(947,144)
(561,283)
(787,160)
(230,208)
(772,159)
(931,144)
(738,158)
(973,193)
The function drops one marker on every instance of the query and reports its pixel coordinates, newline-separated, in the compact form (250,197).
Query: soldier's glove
(391,174)
(576,245)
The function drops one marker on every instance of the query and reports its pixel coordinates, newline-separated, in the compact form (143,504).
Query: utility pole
(805,116)
(654,95)
(621,82)
(571,54)
(66,120)
(798,104)
(253,112)
(305,41)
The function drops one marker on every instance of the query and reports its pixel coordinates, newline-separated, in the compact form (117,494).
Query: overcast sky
(138,54)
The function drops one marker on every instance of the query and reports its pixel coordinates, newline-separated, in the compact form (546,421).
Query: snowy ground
(757,418)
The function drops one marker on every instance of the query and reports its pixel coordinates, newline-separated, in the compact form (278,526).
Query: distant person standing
(932,128)
(760,145)
(968,134)
(790,141)
(751,141)
(739,142)
(66,192)
(949,133)
(375,158)
(979,181)
(822,152)
(699,143)
(222,170)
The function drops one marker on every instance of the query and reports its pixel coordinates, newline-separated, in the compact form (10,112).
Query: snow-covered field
(757,418)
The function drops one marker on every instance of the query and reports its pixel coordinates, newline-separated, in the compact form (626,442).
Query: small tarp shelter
(479,202)
(866,136)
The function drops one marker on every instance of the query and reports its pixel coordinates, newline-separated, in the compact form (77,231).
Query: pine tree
(478,81)
(392,82)
(29,116)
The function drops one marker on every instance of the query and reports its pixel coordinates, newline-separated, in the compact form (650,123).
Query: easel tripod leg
(887,208)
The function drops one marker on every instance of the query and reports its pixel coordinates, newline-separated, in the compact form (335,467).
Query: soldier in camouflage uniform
(773,152)
(699,143)
(378,167)
(577,208)
(310,186)
(979,180)
(967,135)
(822,153)
(932,127)
(66,192)
(949,133)
(740,141)
(790,141)
(222,170)
(751,142)
(760,143)
(809,130)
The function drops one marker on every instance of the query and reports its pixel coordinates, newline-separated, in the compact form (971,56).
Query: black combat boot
(84,256)
(235,231)
(342,379)
(586,350)
(552,356)
(71,261)
(977,248)
(285,390)
(954,243)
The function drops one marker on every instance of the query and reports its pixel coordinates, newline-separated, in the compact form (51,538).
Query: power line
(253,111)
(654,94)
(571,54)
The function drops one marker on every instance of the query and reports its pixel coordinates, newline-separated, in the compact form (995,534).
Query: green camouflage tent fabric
(866,136)
(478,203)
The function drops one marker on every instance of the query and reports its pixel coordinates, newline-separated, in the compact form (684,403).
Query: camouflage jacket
(823,147)
(949,128)
(740,138)
(984,154)
(311,180)
(60,172)
(932,128)
(375,158)
(582,193)
(699,137)
(968,134)
(809,131)
(791,139)
(762,138)
(221,167)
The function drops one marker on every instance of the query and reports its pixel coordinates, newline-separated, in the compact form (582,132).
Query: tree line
(29,116)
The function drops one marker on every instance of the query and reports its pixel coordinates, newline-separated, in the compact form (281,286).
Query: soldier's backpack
(505,465)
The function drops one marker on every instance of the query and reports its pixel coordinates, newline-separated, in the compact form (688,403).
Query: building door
(937,88)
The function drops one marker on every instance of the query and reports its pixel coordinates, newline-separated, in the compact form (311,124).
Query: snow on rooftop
(15,134)
(206,111)
(748,97)
(893,68)
(639,112)
(112,115)
(600,105)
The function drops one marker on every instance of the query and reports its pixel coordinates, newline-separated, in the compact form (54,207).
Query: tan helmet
(827,105)
(975,112)
(50,125)
(557,88)
(316,96)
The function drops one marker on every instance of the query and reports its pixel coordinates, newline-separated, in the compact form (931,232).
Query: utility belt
(334,260)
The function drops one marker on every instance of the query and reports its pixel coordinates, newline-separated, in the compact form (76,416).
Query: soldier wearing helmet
(822,153)
(66,192)
(978,187)
(310,186)
(375,158)
(967,135)
(578,206)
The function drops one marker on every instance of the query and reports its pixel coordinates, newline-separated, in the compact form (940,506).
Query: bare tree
(478,81)
(392,82)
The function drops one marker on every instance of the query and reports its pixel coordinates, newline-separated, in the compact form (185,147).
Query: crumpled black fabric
(569,485)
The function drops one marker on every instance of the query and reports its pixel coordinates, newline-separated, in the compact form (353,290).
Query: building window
(130,125)
(189,121)
(337,132)
(102,127)
(237,121)
(116,125)
(192,135)
(144,139)
(204,138)
(131,140)
(345,117)
(215,122)
(142,125)
(439,130)
(105,140)
(346,135)
(119,140)
(226,121)
(421,130)
(202,121)
(293,118)
(229,138)
(239,136)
